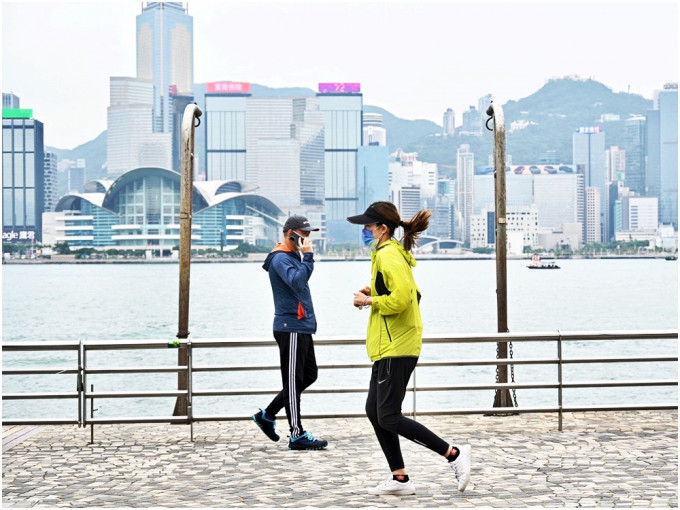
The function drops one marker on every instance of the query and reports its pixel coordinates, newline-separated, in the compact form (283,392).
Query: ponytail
(413,228)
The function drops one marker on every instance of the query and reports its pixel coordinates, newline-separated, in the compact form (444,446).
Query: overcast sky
(415,58)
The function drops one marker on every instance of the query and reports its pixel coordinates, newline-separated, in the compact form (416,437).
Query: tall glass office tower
(165,41)
(668,157)
(342,106)
(23,160)
(589,156)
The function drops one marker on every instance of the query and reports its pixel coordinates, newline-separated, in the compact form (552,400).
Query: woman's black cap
(370,216)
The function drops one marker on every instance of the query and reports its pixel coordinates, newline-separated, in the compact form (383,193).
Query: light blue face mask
(369,240)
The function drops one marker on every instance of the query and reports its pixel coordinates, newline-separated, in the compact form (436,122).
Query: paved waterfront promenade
(611,459)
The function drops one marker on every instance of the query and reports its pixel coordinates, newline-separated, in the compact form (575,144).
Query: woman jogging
(393,342)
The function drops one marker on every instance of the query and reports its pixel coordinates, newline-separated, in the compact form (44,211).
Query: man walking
(294,325)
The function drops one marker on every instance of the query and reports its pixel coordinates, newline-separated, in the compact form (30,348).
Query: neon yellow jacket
(394,327)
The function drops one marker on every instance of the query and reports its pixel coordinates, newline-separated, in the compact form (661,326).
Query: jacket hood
(279,247)
(410,259)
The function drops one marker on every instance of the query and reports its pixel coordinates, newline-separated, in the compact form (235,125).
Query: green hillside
(552,114)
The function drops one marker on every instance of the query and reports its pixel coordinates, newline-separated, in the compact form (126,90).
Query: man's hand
(305,245)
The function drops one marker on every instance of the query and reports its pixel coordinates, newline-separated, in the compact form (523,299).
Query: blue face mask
(368,239)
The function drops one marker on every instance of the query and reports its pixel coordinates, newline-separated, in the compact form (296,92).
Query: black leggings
(383,407)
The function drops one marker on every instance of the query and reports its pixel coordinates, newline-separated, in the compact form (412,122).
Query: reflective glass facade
(141,209)
(23,161)
(225,137)
(343,132)
(165,39)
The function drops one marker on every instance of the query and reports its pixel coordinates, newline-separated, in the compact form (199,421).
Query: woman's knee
(389,421)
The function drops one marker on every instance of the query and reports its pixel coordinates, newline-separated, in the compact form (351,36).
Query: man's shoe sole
(293,447)
(265,432)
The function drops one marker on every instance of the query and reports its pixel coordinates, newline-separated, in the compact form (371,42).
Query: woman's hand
(362,299)
(366,290)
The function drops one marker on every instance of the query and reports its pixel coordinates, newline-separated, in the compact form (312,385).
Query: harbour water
(140,301)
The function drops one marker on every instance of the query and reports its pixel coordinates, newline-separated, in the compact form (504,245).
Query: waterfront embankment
(611,459)
(260,257)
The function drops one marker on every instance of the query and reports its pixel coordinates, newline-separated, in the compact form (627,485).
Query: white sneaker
(391,486)
(461,466)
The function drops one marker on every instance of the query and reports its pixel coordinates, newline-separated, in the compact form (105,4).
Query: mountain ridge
(540,122)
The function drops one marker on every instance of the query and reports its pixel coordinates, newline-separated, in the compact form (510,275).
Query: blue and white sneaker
(306,442)
(268,426)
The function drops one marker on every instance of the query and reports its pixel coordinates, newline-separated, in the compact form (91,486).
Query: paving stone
(599,459)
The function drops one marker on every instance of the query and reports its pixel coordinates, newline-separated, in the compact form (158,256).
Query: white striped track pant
(298,372)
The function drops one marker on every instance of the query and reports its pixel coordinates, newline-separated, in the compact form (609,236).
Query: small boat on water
(671,257)
(537,264)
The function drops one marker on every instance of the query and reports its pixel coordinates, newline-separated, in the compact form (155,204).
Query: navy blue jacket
(289,277)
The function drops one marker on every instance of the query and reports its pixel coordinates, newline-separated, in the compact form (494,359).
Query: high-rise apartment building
(342,105)
(589,156)
(449,123)
(51,183)
(635,140)
(76,176)
(406,170)
(23,176)
(131,142)
(464,202)
(616,163)
(483,104)
(472,122)
(662,161)
(593,227)
(165,40)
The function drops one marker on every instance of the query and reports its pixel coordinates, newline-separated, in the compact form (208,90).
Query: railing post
(190,412)
(559,382)
(79,384)
(84,371)
(191,112)
(92,410)
(495,112)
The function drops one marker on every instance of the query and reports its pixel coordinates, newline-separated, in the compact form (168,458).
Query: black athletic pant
(298,372)
(386,392)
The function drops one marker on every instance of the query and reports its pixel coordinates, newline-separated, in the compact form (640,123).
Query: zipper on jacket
(387,329)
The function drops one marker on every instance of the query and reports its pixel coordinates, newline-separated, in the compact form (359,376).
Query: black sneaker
(268,426)
(306,442)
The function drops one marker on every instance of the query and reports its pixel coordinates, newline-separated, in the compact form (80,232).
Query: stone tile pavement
(611,459)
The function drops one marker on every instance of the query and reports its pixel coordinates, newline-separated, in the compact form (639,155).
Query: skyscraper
(590,159)
(449,122)
(666,101)
(165,41)
(23,179)
(635,140)
(51,193)
(464,192)
(616,163)
(373,131)
(472,122)
(342,105)
(224,128)
(131,142)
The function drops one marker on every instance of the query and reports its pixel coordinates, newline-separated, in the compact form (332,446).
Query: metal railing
(82,348)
